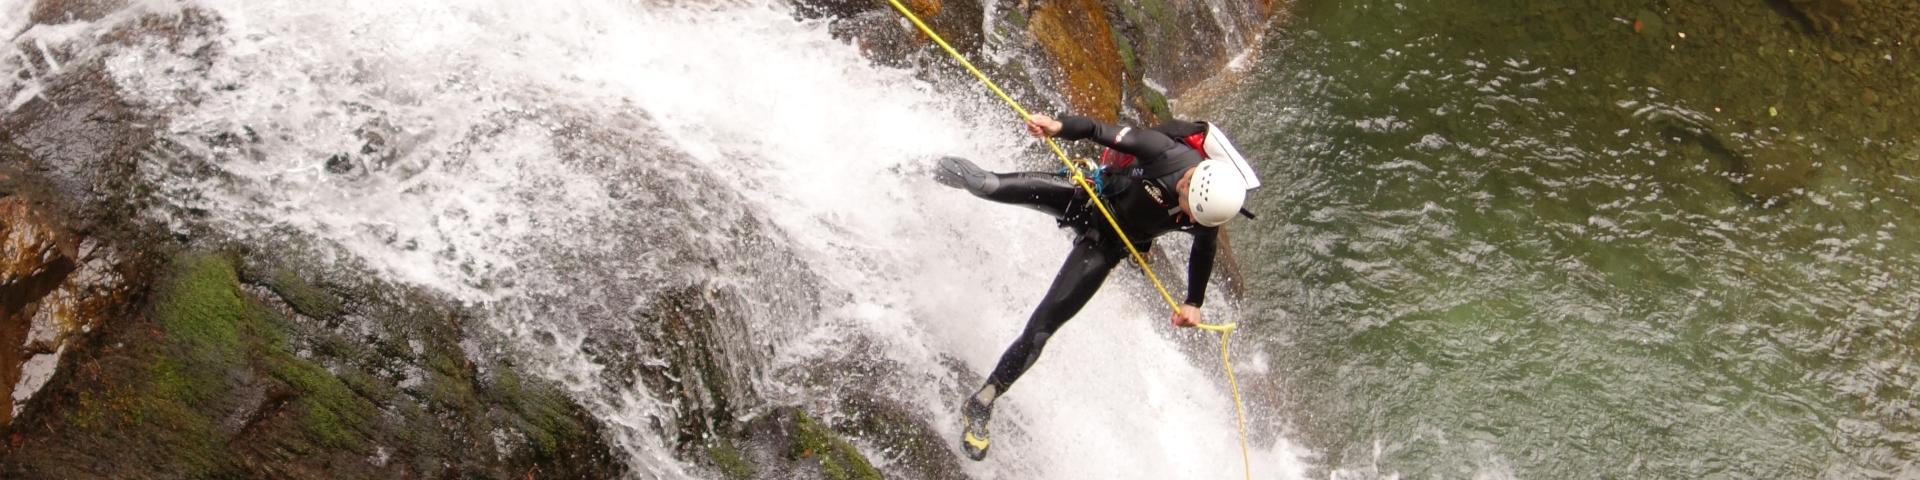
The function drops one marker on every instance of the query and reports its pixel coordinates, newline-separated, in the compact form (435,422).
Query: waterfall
(560,165)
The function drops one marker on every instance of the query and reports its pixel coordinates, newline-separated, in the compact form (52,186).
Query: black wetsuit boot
(959,172)
(1050,193)
(975,411)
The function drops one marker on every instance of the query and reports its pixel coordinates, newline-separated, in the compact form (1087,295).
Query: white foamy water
(565,158)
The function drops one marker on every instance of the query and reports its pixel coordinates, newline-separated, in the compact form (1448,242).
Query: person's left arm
(1199,271)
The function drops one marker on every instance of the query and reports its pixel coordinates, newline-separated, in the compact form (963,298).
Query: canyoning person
(1178,176)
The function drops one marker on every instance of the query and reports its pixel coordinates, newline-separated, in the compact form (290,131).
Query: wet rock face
(686,356)
(911,444)
(901,434)
(68,153)
(1120,60)
(879,30)
(225,371)
(54,290)
(61,11)
(787,443)
(30,270)
(1078,38)
(1087,57)
(123,357)
(80,140)
(1179,44)
(691,358)
(71,137)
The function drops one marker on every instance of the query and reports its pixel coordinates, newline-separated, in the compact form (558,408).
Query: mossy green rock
(837,458)
(210,379)
(730,461)
(787,443)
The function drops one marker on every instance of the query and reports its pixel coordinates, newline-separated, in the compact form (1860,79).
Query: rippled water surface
(1510,240)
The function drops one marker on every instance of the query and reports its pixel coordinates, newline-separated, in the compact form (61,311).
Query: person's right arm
(1139,142)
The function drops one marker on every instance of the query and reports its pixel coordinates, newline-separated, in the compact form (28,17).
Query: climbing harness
(1096,173)
(1080,178)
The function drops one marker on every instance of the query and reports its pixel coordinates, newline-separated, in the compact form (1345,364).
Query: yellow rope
(1239,413)
(1078,177)
(1223,329)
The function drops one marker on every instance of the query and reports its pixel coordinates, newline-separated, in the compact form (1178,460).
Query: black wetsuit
(1141,197)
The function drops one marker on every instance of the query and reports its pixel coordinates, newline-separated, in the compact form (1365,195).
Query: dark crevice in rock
(16,321)
(16,295)
(1793,14)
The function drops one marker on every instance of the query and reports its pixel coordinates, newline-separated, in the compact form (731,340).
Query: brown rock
(1076,34)
(46,302)
(884,35)
(63,11)
(924,8)
(25,276)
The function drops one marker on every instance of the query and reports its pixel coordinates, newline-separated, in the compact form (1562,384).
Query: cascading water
(559,165)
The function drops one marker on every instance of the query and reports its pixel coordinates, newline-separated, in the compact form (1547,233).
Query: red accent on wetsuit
(1116,160)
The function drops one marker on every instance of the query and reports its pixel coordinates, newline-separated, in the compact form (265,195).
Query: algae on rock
(210,382)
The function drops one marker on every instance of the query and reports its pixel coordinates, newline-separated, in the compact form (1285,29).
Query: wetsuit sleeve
(1139,142)
(1200,264)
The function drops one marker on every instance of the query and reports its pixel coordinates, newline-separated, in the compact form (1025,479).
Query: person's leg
(1046,192)
(1086,268)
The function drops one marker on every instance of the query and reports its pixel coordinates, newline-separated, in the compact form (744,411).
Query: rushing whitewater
(559,165)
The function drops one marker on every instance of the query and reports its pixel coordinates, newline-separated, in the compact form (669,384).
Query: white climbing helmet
(1216,192)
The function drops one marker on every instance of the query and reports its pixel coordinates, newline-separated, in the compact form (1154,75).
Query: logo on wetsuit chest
(1154,191)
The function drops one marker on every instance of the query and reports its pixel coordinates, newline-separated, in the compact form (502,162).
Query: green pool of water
(1518,239)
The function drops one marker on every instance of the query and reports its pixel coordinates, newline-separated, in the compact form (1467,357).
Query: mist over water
(559,166)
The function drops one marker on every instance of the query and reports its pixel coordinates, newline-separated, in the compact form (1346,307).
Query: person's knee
(985,186)
(1038,340)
